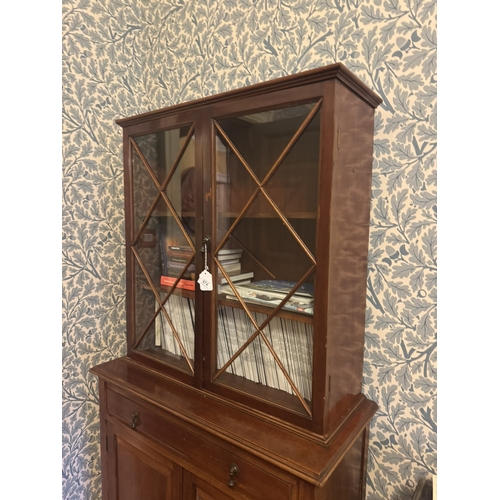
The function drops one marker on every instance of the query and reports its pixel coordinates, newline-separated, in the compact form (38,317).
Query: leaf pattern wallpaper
(123,57)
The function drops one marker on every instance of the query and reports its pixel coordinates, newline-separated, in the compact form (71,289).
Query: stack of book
(174,260)
(272,292)
(230,260)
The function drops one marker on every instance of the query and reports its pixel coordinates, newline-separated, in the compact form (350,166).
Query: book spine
(232,267)
(178,266)
(169,281)
(178,254)
(163,249)
(178,259)
(179,248)
(291,307)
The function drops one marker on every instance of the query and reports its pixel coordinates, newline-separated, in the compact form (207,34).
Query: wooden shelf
(269,215)
(295,316)
(234,215)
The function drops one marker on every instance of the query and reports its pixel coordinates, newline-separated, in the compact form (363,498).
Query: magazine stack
(272,292)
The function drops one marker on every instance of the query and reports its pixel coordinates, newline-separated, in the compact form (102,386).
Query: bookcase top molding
(333,71)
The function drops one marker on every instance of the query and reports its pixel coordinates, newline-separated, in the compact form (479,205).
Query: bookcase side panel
(348,250)
(323,238)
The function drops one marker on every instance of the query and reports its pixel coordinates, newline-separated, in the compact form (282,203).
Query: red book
(169,281)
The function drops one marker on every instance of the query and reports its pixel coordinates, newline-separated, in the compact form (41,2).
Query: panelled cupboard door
(197,489)
(139,472)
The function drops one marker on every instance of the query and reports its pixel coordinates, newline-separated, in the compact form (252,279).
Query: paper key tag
(205,281)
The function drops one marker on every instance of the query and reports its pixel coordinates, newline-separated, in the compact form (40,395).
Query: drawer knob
(135,419)
(233,472)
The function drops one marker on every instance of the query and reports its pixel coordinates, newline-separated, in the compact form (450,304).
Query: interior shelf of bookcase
(234,215)
(270,215)
(177,291)
(304,318)
(221,300)
(157,213)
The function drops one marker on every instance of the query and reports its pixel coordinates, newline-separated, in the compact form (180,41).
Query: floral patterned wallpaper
(126,57)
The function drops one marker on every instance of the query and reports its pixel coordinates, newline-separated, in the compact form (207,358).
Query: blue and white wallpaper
(123,57)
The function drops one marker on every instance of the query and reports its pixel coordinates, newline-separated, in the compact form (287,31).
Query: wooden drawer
(204,457)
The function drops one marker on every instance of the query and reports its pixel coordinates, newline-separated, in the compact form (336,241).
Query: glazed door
(266,177)
(162,235)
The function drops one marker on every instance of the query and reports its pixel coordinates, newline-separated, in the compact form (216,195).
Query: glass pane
(163,246)
(144,188)
(266,213)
